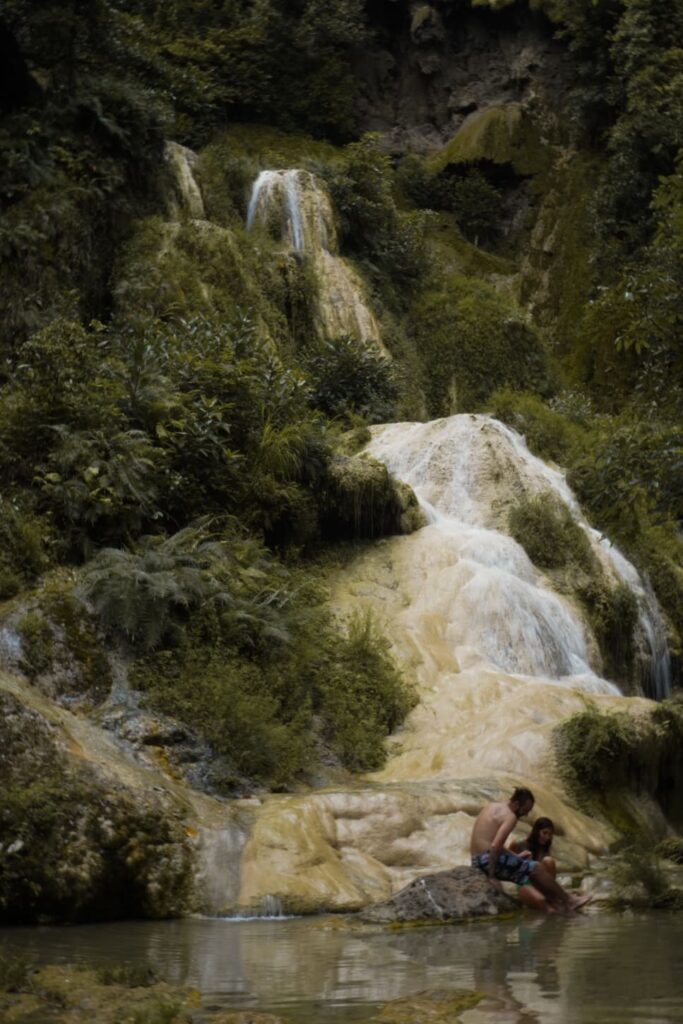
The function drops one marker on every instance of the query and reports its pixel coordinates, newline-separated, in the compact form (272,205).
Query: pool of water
(588,969)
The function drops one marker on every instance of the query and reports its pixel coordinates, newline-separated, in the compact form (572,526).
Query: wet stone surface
(456,895)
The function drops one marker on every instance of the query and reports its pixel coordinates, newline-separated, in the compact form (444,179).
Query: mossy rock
(619,762)
(63,651)
(63,994)
(74,847)
(362,500)
(198,267)
(503,134)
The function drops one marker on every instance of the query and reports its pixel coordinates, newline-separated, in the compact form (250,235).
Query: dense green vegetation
(612,760)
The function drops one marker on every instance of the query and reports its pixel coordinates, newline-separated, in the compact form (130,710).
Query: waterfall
(294,207)
(186,199)
(300,208)
(467,471)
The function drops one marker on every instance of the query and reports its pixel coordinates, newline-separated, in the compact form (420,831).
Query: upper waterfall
(293,206)
(292,203)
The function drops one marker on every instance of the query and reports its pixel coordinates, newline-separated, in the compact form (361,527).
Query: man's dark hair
(522,796)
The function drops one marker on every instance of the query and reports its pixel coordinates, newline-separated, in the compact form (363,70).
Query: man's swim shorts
(510,867)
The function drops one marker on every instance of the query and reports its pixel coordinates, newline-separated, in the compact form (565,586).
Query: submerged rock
(437,1007)
(455,895)
(66,995)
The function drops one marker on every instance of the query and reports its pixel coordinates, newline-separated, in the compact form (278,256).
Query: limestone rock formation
(455,895)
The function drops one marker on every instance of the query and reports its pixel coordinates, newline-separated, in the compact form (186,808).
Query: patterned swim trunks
(510,867)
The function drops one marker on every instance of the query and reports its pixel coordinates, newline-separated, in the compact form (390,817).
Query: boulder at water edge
(453,895)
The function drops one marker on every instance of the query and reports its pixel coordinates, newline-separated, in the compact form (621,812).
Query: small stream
(595,968)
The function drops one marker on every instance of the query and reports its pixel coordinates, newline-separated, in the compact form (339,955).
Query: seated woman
(537,844)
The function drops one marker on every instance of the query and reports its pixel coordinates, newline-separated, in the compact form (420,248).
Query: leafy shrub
(476,203)
(100,487)
(547,531)
(613,615)
(254,693)
(239,709)
(349,376)
(547,431)
(371,226)
(140,593)
(361,695)
(606,758)
(472,341)
(24,541)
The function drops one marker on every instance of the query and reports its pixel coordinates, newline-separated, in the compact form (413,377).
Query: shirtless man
(494,824)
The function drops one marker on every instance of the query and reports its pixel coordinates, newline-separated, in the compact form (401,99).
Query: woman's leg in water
(530,897)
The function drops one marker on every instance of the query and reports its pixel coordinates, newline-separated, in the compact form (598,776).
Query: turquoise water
(589,969)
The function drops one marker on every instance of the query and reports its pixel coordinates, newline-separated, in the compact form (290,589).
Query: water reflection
(600,969)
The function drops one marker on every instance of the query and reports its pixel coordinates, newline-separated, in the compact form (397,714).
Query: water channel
(597,968)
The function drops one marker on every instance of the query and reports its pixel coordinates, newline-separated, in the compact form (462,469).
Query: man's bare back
(489,822)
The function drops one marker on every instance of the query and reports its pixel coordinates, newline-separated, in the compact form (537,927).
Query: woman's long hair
(533,840)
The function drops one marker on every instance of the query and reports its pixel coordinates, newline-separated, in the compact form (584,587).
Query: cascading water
(293,206)
(467,471)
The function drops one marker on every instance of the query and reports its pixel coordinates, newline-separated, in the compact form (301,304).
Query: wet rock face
(454,895)
(432,65)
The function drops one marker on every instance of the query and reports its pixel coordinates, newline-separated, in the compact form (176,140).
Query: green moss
(558,274)
(37,643)
(453,254)
(504,134)
(63,993)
